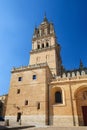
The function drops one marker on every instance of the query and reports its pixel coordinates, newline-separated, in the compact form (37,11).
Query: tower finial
(45,14)
(45,18)
(81,64)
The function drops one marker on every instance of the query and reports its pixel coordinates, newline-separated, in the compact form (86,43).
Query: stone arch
(81,104)
(56,89)
(47,44)
(83,87)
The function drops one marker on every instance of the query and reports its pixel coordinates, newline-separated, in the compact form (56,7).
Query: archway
(81,104)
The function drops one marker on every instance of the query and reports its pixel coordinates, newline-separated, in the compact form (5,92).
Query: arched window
(38,46)
(58,97)
(42,45)
(47,44)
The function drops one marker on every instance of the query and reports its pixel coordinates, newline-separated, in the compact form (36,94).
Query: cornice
(69,80)
(30,67)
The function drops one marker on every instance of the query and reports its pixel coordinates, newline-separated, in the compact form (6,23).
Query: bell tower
(45,47)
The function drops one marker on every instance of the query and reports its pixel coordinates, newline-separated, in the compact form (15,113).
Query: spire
(81,64)
(35,31)
(45,18)
(35,28)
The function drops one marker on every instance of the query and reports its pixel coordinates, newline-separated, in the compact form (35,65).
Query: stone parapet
(30,67)
(71,76)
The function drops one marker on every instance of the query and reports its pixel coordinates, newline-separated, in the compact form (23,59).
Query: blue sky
(17,21)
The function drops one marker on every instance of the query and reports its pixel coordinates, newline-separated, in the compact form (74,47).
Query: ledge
(58,105)
(30,67)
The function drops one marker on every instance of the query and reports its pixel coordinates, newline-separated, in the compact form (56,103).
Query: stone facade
(69,112)
(44,93)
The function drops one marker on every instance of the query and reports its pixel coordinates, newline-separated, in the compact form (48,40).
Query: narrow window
(47,44)
(38,46)
(19,78)
(26,102)
(58,97)
(38,105)
(42,45)
(18,91)
(34,77)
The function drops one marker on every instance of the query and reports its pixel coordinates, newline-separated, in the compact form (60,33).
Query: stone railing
(29,67)
(71,76)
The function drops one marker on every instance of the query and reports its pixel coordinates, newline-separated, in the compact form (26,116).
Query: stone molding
(30,67)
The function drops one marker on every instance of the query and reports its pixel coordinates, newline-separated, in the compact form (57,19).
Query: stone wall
(33,90)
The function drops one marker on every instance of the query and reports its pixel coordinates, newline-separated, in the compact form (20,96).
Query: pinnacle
(45,18)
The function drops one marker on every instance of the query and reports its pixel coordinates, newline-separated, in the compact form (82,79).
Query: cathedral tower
(45,47)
